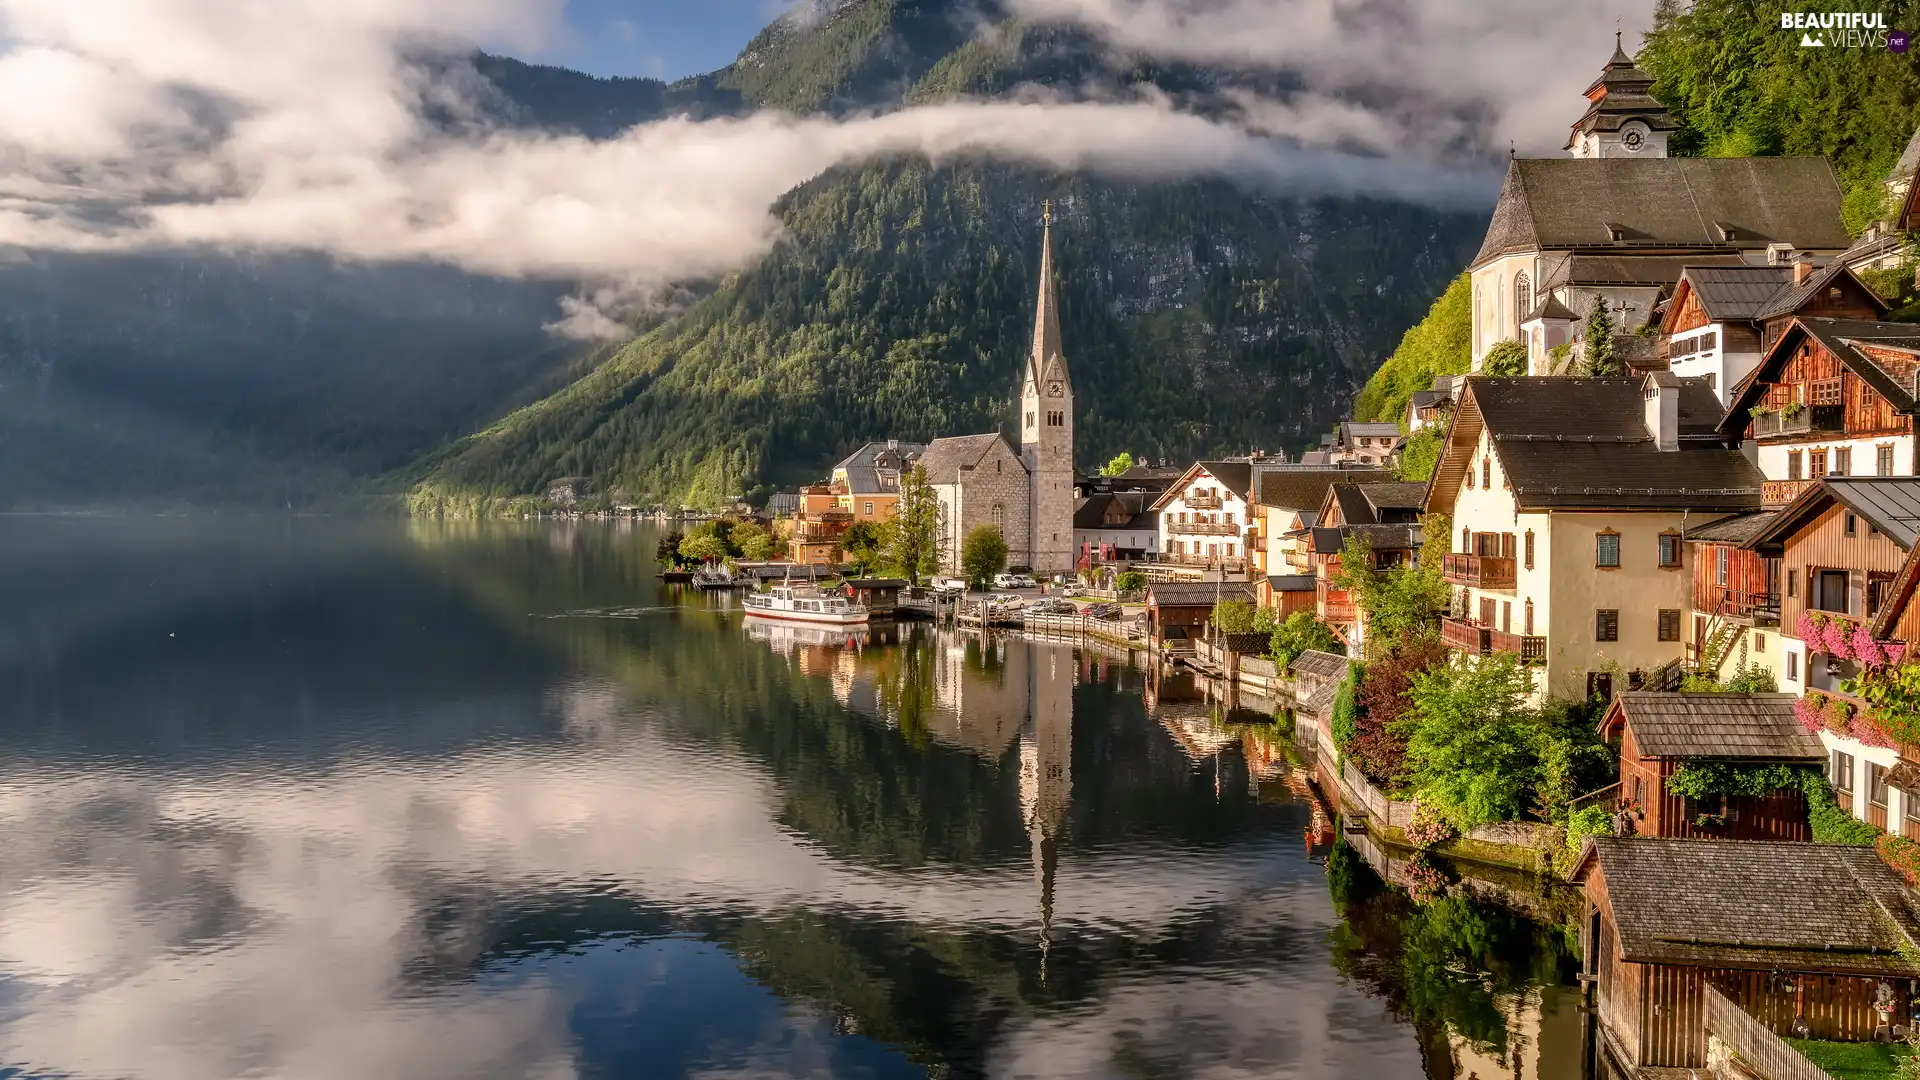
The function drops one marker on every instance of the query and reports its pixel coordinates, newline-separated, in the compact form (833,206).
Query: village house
(1883,244)
(1178,612)
(1286,505)
(1830,397)
(1735,617)
(1119,526)
(1205,518)
(1429,408)
(1840,547)
(1568,500)
(1657,733)
(1742,941)
(1386,518)
(1616,223)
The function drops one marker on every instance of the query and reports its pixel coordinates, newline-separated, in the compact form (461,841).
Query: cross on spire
(1046,212)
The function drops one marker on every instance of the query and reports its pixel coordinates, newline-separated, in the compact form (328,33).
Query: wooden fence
(1758,1048)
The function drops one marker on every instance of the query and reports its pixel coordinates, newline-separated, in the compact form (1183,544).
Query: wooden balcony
(1200,528)
(1750,608)
(1464,636)
(1202,502)
(1335,605)
(1808,420)
(1530,650)
(1215,562)
(1781,492)
(1479,571)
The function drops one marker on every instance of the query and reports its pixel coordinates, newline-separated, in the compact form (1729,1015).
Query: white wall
(1773,456)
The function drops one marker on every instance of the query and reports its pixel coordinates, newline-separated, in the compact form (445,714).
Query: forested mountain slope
(1198,317)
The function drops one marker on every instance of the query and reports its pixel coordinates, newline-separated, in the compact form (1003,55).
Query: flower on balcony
(1867,650)
(1864,729)
(1839,716)
(1808,628)
(1807,711)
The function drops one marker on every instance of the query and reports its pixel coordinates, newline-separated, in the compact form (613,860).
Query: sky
(663,39)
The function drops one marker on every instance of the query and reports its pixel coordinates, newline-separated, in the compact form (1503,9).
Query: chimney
(1661,395)
(893,444)
(1802,270)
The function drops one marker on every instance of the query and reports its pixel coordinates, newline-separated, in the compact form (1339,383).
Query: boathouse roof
(1766,906)
(1740,727)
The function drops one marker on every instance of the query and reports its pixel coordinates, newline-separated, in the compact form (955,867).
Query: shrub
(1302,632)
(1505,360)
(1472,740)
(1345,720)
(1380,744)
(1131,581)
(1234,616)
(1585,823)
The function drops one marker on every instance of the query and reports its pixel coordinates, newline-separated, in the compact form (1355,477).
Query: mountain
(1199,317)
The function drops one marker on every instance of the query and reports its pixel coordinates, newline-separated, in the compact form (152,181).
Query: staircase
(1719,642)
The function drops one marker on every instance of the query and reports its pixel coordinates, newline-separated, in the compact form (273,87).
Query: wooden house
(1286,504)
(1178,611)
(1736,595)
(1800,937)
(1657,733)
(1386,517)
(1831,397)
(881,596)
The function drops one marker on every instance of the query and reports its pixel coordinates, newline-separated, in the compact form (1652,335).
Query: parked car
(950,584)
(1014,581)
(1054,607)
(1102,611)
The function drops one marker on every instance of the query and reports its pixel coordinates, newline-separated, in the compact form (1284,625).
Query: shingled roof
(1601,268)
(1703,204)
(1196,593)
(1830,907)
(1567,442)
(1324,664)
(1790,299)
(1736,727)
(1738,529)
(944,458)
(1305,489)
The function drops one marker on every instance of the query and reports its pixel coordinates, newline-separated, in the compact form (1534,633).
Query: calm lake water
(316,799)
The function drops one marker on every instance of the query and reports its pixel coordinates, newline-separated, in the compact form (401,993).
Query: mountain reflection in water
(312,799)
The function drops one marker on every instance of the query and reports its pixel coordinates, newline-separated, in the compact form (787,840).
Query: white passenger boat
(806,604)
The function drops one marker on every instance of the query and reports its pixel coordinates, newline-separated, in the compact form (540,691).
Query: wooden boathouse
(1658,733)
(1805,939)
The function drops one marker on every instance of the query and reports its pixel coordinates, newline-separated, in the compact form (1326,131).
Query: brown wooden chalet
(1800,937)
(1753,303)
(1734,587)
(1657,733)
(1178,611)
(1828,380)
(1385,516)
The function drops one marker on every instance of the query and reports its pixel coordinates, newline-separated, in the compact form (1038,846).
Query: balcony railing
(814,532)
(1219,562)
(1201,528)
(1806,420)
(1479,571)
(1466,637)
(1781,492)
(1530,650)
(1202,502)
(1335,605)
(1760,608)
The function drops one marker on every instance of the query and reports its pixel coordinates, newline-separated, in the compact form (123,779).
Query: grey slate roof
(1324,664)
(1789,299)
(1552,308)
(1306,489)
(1829,907)
(944,458)
(1888,503)
(864,466)
(1556,204)
(1329,541)
(1731,293)
(1740,727)
(1566,442)
(1739,529)
(1646,271)
(1427,399)
(1197,593)
(1237,476)
(1091,514)
(1370,429)
(1909,162)
(1291,582)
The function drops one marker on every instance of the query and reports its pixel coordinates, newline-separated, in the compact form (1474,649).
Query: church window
(1522,298)
(1000,517)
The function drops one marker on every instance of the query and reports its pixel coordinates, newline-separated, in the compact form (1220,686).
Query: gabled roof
(1905,584)
(1890,504)
(1733,293)
(1304,489)
(1196,593)
(1828,907)
(1091,514)
(1732,727)
(1737,529)
(1793,297)
(1329,541)
(1235,476)
(1704,204)
(945,458)
(1292,582)
(1886,356)
(1369,429)
(1576,442)
(1551,308)
(1324,664)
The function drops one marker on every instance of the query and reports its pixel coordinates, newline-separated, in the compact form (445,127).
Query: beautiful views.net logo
(1844,30)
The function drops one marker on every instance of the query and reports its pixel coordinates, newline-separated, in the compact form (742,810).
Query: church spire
(1046,322)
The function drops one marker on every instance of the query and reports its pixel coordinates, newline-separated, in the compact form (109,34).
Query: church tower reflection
(1046,772)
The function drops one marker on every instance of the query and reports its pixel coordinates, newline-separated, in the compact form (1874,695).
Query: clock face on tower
(1633,137)
(1056,389)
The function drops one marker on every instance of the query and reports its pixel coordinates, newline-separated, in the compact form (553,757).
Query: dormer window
(1616,232)
(1728,233)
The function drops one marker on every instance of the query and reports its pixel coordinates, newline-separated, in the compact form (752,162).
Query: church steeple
(1623,118)
(1046,322)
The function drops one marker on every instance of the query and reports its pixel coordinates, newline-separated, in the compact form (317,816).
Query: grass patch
(1854,1061)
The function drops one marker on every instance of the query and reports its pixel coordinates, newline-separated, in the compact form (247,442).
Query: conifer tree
(1601,363)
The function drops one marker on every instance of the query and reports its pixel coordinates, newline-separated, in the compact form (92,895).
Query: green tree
(1599,361)
(1472,740)
(703,547)
(1505,360)
(1233,616)
(750,533)
(983,553)
(915,543)
(1440,344)
(1121,463)
(1420,454)
(1130,581)
(1400,602)
(758,548)
(861,543)
(1302,632)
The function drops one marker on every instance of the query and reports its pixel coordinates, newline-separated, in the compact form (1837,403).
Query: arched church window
(1522,298)
(1000,517)
(1499,302)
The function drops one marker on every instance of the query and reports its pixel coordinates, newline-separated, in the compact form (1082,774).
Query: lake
(306,798)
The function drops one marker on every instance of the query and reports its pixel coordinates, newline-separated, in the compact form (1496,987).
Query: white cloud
(1500,70)
(297,126)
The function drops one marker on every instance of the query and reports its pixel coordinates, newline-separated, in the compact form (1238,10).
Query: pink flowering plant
(1427,829)
(1807,711)
(1425,881)
(1866,649)
(1807,629)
